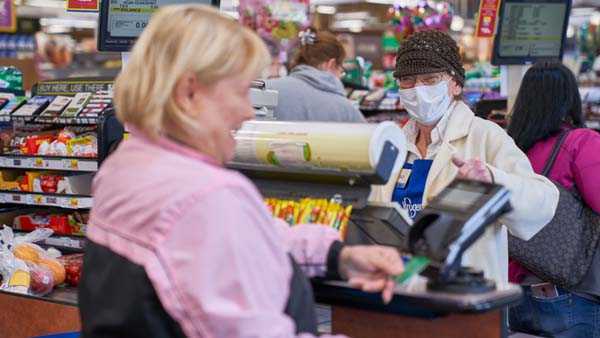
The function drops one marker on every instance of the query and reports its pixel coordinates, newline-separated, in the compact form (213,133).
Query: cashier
(180,246)
(446,141)
(313,91)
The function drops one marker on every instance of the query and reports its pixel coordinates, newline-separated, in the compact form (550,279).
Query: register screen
(532,29)
(127,18)
(122,21)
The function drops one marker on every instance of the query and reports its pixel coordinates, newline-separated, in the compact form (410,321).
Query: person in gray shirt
(313,90)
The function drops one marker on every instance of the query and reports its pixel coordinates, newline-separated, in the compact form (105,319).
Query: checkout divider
(295,160)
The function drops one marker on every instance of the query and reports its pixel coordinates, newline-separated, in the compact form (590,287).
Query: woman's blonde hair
(181,39)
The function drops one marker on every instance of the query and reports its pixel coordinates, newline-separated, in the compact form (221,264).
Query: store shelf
(61,242)
(49,200)
(68,120)
(49,163)
(65,242)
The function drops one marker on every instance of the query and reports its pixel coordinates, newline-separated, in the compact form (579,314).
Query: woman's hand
(473,169)
(370,268)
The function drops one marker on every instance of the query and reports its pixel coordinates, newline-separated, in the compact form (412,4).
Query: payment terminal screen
(462,196)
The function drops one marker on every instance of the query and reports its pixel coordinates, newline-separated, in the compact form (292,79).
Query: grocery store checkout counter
(319,160)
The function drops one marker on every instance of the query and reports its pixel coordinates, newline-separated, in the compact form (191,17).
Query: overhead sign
(83,5)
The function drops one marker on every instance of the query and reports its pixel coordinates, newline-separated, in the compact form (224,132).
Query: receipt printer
(449,225)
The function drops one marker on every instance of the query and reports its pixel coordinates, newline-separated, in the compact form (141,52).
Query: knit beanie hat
(429,52)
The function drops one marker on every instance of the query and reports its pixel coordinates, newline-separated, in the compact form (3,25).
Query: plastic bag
(42,279)
(15,273)
(73,266)
(25,266)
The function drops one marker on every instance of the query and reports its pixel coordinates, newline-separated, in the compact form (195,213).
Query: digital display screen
(462,196)
(122,21)
(532,29)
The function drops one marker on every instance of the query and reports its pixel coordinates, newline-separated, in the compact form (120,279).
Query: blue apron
(410,194)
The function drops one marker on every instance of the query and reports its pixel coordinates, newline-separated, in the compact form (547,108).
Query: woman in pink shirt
(547,105)
(179,245)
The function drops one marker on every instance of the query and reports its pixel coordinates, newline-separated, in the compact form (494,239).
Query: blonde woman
(179,245)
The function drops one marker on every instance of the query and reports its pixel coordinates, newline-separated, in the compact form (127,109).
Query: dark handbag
(562,252)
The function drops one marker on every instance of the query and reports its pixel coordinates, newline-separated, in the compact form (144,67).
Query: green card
(415,266)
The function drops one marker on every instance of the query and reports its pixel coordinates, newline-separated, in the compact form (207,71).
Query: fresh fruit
(73,274)
(58,270)
(73,266)
(42,279)
(27,252)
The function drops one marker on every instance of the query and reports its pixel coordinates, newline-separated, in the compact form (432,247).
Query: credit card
(415,266)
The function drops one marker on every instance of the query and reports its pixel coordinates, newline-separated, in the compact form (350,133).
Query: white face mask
(426,104)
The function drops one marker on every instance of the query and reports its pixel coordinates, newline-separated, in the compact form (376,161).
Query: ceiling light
(457,24)
(349,24)
(353,16)
(327,10)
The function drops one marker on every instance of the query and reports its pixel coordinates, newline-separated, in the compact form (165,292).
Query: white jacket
(534,198)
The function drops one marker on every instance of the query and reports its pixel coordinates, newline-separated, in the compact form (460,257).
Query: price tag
(27,163)
(29,199)
(3,198)
(16,162)
(74,203)
(52,200)
(38,163)
(71,164)
(38,199)
(15,198)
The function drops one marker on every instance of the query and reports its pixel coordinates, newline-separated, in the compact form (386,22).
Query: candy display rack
(60,306)
(108,131)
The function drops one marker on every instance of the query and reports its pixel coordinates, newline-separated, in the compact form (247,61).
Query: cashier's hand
(473,169)
(370,268)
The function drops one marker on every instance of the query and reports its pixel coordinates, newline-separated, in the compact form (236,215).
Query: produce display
(312,211)
(29,269)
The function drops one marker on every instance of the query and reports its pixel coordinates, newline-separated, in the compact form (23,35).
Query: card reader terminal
(450,224)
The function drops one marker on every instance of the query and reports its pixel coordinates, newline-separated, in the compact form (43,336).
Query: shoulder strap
(555,151)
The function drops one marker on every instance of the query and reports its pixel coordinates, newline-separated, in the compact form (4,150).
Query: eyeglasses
(407,82)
